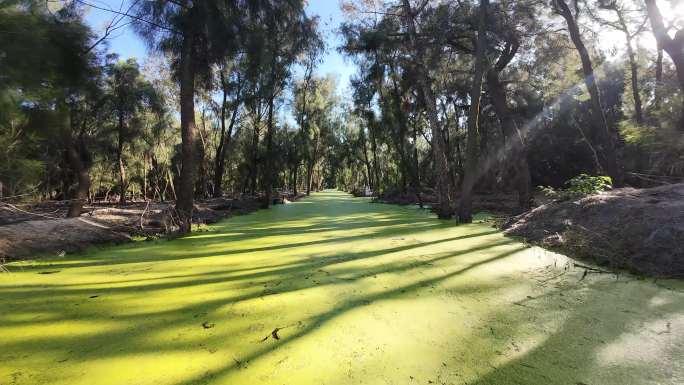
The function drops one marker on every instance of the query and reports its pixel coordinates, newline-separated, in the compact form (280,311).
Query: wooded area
(492,194)
(450,98)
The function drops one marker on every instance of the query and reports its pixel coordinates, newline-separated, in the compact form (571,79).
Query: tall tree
(289,33)
(196,34)
(631,29)
(231,83)
(128,95)
(601,132)
(441,167)
(465,214)
(515,145)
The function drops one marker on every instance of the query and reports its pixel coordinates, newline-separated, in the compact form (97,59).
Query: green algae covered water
(335,290)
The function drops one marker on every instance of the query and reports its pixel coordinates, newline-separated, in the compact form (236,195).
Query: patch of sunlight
(648,343)
(334,290)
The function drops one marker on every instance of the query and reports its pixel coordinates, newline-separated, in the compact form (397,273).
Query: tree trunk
(184,203)
(441,167)
(657,97)
(514,147)
(83,176)
(402,141)
(601,132)
(416,166)
(122,181)
(255,152)
(144,192)
(634,67)
(295,190)
(376,165)
(673,47)
(120,161)
(226,135)
(268,174)
(76,154)
(465,209)
(309,172)
(367,162)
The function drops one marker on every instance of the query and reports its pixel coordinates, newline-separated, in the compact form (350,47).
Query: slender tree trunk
(416,166)
(638,106)
(122,167)
(202,186)
(601,131)
(185,198)
(295,182)
(170,183)
(634,68)
(657,92)
(376,165)
(76,154)
(408,171)
(268,174)
(309,173)
(219,160)
(255,153)
(465,209)
(122,181)
(367,162)
(144,176)
(441,167)
(270,130)
(226,135)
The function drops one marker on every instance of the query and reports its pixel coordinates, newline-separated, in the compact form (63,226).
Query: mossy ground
(362,294)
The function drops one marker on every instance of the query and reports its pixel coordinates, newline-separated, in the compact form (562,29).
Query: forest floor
(641,230)
(335,290)
(42,229)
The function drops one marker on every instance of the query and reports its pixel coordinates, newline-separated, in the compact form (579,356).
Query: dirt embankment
(42,228)
(640,230)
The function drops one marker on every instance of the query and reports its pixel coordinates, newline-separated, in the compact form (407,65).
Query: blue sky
(127,44)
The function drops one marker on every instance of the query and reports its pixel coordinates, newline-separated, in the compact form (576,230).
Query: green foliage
(18,171)
(579,186)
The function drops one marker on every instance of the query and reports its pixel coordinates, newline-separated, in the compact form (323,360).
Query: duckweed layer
(334,290)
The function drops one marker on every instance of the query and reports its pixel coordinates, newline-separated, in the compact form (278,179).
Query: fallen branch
(593,269)
(274,333)
(13,207)
(552,278)
(142,216)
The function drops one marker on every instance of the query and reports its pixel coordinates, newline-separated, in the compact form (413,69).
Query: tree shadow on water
(411,254)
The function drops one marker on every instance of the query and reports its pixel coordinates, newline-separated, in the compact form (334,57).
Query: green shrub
(579,186)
